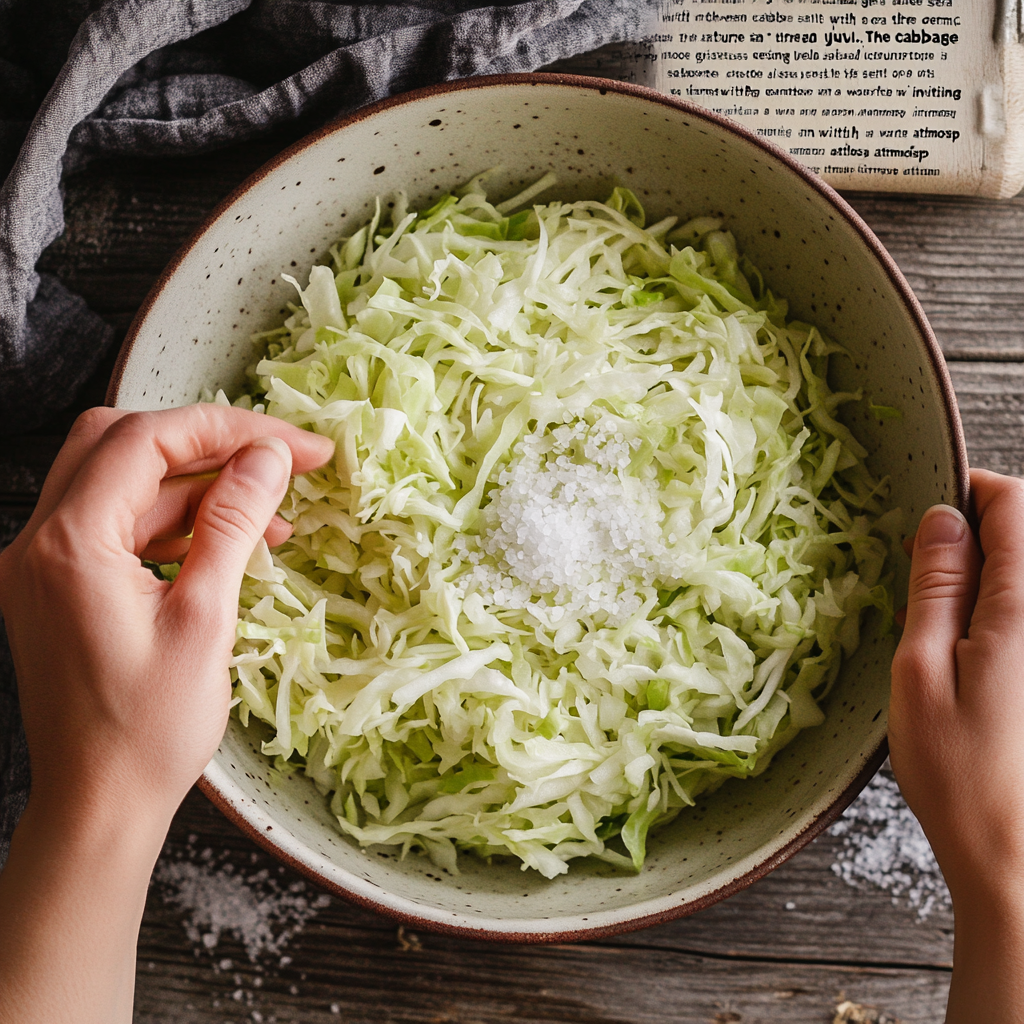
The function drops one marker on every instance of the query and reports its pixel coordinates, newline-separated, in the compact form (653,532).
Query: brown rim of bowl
(797,843)
(899,283)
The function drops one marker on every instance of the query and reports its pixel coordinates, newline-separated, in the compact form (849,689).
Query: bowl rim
(954,431)
(440,925)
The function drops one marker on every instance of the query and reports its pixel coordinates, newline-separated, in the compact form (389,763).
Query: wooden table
(749,959)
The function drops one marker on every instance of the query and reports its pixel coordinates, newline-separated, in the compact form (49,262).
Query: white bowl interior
(228,285)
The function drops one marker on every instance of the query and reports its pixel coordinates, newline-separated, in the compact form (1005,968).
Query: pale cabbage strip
(593,541)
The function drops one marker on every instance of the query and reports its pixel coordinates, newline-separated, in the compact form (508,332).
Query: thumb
(233,515)
(944,574)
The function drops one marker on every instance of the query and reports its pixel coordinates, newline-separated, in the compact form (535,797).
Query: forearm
(127,708)
(71,901)
(988,960)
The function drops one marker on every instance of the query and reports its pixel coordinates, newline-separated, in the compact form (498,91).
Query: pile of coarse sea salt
(567,521)
(222,898)
(884,846)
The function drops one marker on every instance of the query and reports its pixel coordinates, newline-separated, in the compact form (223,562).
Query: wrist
(92,818)
(988,890)
(988,956)
(984,914)
(72,896)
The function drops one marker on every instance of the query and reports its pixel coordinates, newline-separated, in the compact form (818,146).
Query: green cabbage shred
(507,390)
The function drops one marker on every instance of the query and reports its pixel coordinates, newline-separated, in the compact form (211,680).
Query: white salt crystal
(256,909)
(884,847)
(568,524)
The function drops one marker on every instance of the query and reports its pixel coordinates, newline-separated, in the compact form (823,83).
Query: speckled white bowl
(226,283)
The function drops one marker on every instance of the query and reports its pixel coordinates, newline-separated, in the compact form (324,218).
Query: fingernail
(941,526)
(256,462)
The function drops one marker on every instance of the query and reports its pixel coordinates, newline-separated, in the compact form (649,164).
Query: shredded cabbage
(593,542)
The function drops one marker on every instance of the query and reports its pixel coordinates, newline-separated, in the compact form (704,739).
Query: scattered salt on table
(217,899)
(884,846)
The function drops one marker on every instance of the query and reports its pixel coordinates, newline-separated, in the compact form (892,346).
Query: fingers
(175,548)
(1000,608)
(162,533)
(944,577)
(277,532)
(233,514)
(85,434)
(119,480)
(999,501)
(164,551)
(174,512)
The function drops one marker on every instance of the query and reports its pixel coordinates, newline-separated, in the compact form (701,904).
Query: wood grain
(964,258)
(991,400)
(748,957)
(356,980)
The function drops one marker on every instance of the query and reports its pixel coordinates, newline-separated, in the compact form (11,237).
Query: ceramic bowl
(193,331)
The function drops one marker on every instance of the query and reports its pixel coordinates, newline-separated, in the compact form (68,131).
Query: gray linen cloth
(81,79)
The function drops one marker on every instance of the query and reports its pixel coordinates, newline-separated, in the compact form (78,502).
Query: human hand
(956,734)
(122,677)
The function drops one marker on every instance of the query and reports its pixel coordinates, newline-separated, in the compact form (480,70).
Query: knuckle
(132,431)
(912,667)
(906,662)
(53,549)
(205,419)
(93,423)
(133,424)
(939,582)
(229,522)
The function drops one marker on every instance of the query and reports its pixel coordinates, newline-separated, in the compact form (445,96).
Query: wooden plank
(964,258)
(991,400)
(367,969)
(811,916)
(336,975)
